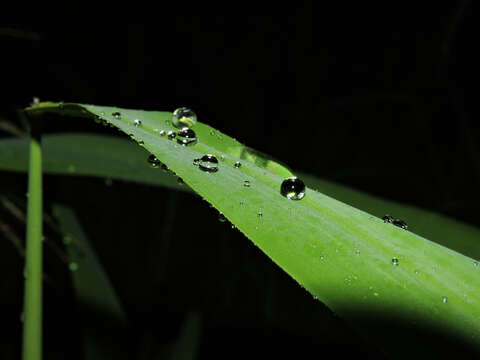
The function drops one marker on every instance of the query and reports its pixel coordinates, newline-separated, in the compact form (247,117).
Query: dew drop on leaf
(237,164)
(116,115)
(162,132)
(171,135)
(208,163)
(246,183)
(137,122)
(444,299)
(401,224)
(221,217)
(395,261)
(153,161)
(387,219)
(186,136)
(184,117)
(293,188)
(180,181)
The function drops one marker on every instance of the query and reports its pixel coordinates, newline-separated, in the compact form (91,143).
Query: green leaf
(103,318)
(352,261)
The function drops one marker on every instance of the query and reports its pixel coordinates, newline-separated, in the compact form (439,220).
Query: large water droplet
(394,261)
(186,136)
(184,117)
(116,115)
(137,122)
(387,219)
(400,224)
(153,161)
(293,188)
(208,163)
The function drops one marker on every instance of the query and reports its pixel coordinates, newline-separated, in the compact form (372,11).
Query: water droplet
(322,257)
(137,122)
(246,183)
(171,135)
(444,299)
(237,164)
(186,136)
(153,161)
(141,142)
(212,132)
(208,163)
(400,224)
(387,219)
(73,266)
(184,117)
(357,252)
(180,181)
(162,132)
(293,188)
(475,263)
(260,213)
(416,272)
(221,217)
(394,261)
(116,115)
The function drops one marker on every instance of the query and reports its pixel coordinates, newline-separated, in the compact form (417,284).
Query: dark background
(380,98)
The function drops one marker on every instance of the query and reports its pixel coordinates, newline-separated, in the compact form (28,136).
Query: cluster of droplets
(397,222)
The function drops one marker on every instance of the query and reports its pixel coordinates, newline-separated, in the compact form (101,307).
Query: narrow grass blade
(32,327)
(95,294)
(120,159)
(352,261)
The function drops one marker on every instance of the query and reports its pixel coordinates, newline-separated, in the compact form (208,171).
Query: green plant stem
(32,327)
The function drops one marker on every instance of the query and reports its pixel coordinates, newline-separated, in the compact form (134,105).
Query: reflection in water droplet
(153,161)
(73,266)
(186,136)
(116,115)
(444,299)
(137,122)
(400,224)
(208,163)
(171,135)
(395,261)
(237,164)
(387,219)
(293,188)
(246,183)
(184,117)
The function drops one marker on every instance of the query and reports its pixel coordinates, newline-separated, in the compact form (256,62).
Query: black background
(380,98)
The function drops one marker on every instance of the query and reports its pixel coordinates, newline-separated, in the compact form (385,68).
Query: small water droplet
(260,213)
(387,219)
(180,181)
(400,224)
(184,117)
(221,217)
(212,132)
(444,299)
(73,266)
(141,142)
(357,252)
(416,272)
(186,136)
(237,164)
(246,183)
(153,161)
(137,122)
(293,188)
(475,263)
(171,135)
(394,261)
(162,132)
(208,163)
(242,203)
(322,257)
(116,115)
